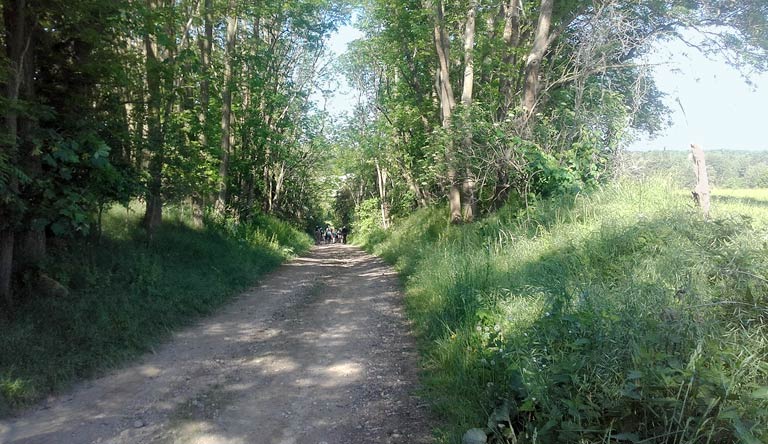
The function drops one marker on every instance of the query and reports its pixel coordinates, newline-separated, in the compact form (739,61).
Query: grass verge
(127,294)
(618,316)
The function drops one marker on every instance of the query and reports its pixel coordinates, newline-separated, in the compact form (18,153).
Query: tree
(226,109)
(541,42)
(556,88)
(108,101)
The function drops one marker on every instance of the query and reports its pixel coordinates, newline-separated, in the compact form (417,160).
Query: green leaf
(484,315)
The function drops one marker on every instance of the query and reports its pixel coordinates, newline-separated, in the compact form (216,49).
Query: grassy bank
(127,294)
(619,316)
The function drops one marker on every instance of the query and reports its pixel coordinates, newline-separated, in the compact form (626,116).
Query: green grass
(127,294)
(616,316)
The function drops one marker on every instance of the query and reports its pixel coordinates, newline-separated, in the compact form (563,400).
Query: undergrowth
(126,294)
(618,316)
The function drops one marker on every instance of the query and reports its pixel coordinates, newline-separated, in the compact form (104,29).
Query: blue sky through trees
(711,102)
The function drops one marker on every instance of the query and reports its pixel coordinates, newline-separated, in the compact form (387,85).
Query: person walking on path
(344,233)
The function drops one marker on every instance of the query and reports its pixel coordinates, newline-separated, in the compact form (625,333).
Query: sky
(711,103)
(344,98)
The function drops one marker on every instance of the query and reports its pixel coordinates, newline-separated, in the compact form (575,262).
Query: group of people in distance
(330,235)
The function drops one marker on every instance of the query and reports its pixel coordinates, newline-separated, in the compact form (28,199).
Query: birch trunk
(533,62)
(469,205)
(381,181)
(278,188)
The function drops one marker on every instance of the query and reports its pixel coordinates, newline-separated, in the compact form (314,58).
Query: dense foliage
(619,316)
(169,101)
(481,102)
(726,169)
(546,310)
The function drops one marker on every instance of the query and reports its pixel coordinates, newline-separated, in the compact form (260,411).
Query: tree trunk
(154,210)
(30,248)
(6,267)
(267,177)
(381,182)
(30,242)
(533,62)
(205,42)
(701,191)
(226,111)
(469,205)
(278,188)
(447,104)
(16,43)
(511,38)
(27,246)
(250,187)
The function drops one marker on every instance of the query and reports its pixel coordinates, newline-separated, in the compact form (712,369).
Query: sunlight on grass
(126,293)
(616,312)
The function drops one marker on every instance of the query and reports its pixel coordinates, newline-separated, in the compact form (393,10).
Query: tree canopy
(202,102)
(482,102)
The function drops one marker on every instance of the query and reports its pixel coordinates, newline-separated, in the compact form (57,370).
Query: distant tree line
(726,169)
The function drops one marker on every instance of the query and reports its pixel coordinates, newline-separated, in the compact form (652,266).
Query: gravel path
(319,352)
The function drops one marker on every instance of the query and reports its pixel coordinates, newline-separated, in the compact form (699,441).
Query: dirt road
(318,352)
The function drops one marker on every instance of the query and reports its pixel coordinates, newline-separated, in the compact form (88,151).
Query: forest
(562,288)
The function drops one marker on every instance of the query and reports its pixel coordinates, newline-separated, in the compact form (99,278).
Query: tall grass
(126,294)
(618,316)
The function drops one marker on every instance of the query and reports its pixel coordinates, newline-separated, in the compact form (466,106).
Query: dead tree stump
(701,191)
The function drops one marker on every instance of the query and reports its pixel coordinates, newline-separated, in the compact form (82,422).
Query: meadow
(620,315)
(127,293)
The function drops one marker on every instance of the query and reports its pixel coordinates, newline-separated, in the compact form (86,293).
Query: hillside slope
(616,316)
